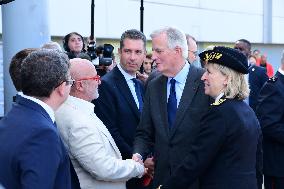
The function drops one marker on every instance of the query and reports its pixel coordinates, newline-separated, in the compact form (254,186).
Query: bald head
(81,68)
(84,73)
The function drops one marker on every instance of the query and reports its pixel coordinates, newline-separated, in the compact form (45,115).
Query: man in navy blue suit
(270,113)
(256,78)
(32,153)
(120,101)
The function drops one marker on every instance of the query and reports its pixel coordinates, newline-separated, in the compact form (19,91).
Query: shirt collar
(46,107)
(281,71)
(182,74)
(126,75)
(219,97)
(81,104)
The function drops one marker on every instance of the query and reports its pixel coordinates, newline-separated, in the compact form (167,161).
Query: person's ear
(79,85)
(61,89)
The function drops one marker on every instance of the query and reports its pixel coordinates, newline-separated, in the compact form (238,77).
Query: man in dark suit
(32,153)
(120,101)
(173,107)
(256,79)
(257,75)
(270,113)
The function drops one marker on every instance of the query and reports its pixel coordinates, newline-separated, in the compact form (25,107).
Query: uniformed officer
(270,112)
(224,153)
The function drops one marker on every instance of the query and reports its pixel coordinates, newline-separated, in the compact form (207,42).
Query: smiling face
(214,81)
(132,55)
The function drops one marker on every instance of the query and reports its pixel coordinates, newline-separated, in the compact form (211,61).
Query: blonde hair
(237,86)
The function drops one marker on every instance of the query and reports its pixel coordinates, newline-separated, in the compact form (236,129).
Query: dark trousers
(273,182)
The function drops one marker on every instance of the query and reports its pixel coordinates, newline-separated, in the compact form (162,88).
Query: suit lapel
(190,89)
(105,132)
(125,91)
(162,96)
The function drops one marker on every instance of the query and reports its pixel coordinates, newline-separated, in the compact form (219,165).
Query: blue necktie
(138,92)
(172,103)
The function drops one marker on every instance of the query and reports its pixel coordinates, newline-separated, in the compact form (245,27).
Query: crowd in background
(159,119)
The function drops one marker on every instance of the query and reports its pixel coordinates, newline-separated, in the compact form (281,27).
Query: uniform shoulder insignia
(272,79)
(220,101)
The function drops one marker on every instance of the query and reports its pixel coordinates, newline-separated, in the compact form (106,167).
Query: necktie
(138,92)
(172,103)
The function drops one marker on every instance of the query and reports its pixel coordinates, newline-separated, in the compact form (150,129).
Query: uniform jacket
(257,78)
(170,146)
(117,109)
(270,113)
(32,153)
(93,152)
(224,153)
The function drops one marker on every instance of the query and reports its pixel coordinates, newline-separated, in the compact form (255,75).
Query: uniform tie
(172,103)
(138,92)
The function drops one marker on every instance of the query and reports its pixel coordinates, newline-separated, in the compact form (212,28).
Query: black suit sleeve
(270,112)
(212,135)
(106,110)
(144,137)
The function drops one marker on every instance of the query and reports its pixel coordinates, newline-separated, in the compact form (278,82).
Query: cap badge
(212,56)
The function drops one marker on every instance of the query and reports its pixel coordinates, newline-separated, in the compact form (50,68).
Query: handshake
(149,167)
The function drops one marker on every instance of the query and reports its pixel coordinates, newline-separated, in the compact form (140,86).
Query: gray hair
(51,45)
(237,86)
(134,35)
(44,70)
(175,37)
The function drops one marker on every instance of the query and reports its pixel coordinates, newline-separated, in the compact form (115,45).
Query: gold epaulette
(217,103)
(272,79)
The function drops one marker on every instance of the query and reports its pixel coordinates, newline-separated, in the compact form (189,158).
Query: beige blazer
(92,150)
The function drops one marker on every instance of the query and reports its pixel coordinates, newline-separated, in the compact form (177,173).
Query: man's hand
(138,158)
(149,165)
(142,77)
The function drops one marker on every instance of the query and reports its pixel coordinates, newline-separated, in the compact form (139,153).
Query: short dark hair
(16,65)
(132,34)
(43,71)
(247,42)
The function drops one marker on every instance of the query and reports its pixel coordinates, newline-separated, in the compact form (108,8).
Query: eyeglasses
(70,81)
(194,52)
(96,78)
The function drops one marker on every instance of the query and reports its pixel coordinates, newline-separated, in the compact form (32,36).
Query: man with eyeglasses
(192,50)
(93,152)
(32,153)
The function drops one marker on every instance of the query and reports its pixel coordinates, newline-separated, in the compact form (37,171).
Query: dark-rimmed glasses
(96,78)
(68,82)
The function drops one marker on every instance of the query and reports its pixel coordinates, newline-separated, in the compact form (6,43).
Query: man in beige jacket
(93,152)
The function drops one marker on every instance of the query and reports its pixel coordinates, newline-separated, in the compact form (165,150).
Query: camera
(101,55)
